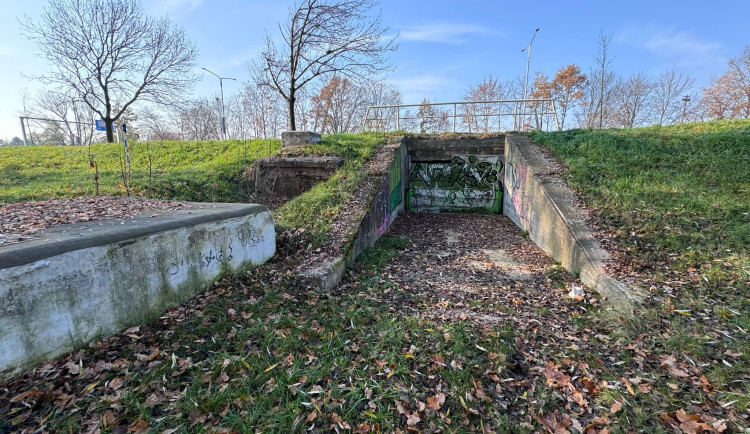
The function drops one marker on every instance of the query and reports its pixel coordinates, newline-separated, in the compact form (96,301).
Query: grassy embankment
(206,171)
(258,353)
(676,201)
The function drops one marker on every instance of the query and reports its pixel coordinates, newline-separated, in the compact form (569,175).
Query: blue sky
(444,46)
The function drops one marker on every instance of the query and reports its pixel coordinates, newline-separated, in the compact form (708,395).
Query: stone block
(299,138)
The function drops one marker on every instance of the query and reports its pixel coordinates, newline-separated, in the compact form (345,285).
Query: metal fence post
(23,130)
(398,118)
(454,118)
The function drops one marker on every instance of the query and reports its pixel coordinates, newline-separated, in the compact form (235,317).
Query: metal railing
(526,114)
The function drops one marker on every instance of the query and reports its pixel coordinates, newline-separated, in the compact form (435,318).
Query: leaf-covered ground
(453,323)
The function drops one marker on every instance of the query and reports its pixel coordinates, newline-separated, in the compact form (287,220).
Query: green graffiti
(461,172)
(466,182)
(395,197)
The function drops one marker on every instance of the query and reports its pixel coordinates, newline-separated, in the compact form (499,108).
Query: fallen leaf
(413,419)
(435,402)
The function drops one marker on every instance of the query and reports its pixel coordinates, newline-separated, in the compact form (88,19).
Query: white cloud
(446,33)
(175,7)
(415,88)
(678,46)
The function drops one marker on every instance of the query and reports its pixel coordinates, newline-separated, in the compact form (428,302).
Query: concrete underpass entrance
(460,173)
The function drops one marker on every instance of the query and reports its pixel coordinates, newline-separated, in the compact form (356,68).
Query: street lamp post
(527,49)
(685,100)
(221,86)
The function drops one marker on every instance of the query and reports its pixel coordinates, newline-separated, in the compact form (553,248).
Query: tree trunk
(290,104)
(110,125)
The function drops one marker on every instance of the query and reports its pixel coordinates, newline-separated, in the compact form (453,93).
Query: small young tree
(597,105)
(323,38)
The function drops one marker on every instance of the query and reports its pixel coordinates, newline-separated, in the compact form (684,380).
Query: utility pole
(527,49)
(685,100)
(221,86)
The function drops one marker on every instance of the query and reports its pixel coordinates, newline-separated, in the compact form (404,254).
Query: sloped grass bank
(204,171)
(674,204)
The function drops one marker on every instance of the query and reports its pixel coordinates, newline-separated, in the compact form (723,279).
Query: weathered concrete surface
(284,176)
(385,199)
(81,282)
(299,138)
(541,203)
(465,183)
(437,148)
(455,172)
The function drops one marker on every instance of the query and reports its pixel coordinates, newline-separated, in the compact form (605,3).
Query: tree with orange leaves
(568,90)
(728,97)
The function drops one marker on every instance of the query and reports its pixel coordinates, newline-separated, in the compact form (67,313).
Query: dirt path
(480,268)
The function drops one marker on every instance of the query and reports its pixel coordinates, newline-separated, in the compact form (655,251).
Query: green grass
(318,208)
(254,357)
(260,352)
(677,201)
(207,171)
(680,190)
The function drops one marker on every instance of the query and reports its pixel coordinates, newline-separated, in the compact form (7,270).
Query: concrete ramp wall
(540,202)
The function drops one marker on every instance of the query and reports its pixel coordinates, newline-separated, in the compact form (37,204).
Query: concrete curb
(67,238)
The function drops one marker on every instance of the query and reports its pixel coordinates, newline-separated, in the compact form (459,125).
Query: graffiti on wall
(395,197)
(465,182)
(521,201)
(389,196)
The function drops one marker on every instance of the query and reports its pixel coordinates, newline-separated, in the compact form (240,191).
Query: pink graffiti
(520,200)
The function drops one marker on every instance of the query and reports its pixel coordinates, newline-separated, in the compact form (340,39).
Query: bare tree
(597,106)
(159,124)
(632,101)
(110,55)
(541,88)
(264,109)
(74,121)
(669,88)
(339,106)
(478,117)
(200,121)
(381,93)
(321,38)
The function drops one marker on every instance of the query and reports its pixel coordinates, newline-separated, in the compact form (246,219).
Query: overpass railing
(464,116)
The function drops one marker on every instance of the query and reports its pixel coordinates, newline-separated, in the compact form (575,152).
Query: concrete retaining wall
(466,182)
(285,177)
(386,200)
(387,203)
(539,202)
(455,173)
(84,289)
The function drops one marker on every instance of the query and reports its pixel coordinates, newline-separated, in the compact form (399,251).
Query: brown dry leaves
(19,220)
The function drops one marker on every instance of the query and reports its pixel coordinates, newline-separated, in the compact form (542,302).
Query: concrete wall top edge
(67,238)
